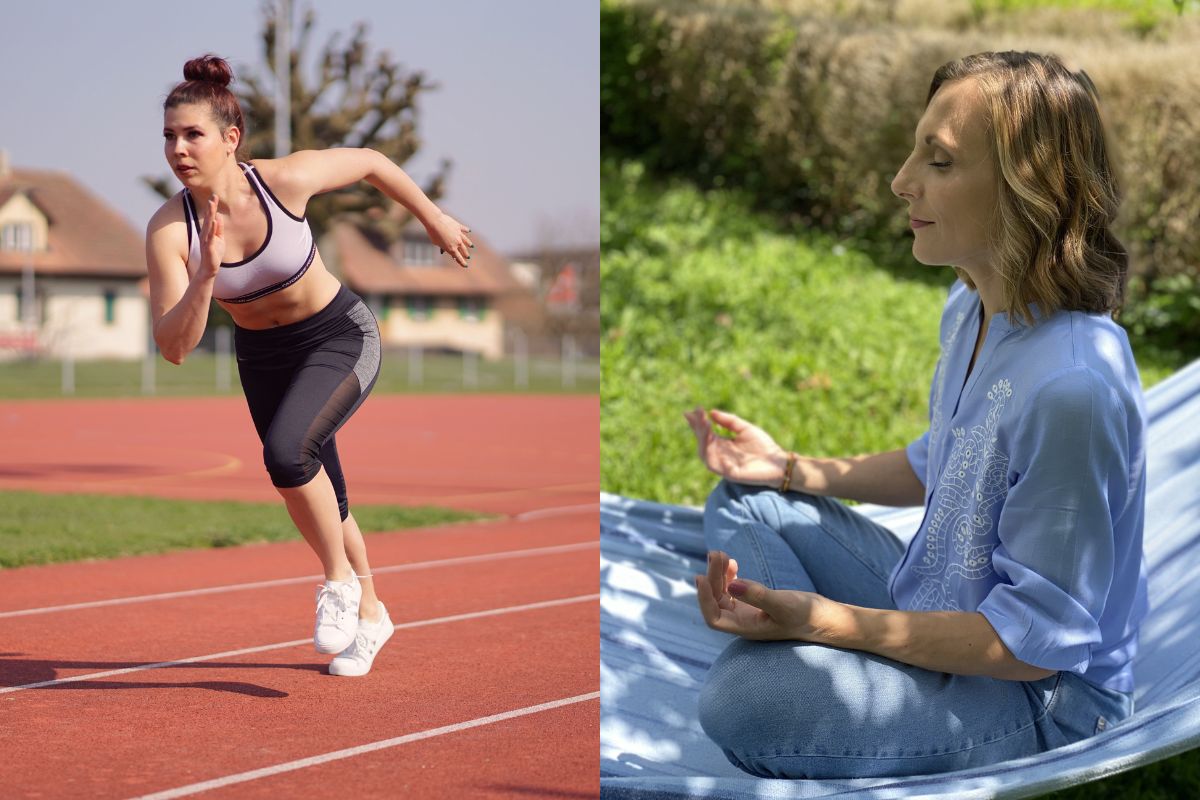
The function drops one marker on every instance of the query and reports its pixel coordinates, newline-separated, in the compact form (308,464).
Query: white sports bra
(283,258)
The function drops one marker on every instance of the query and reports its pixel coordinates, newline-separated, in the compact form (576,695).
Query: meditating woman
(1009,624)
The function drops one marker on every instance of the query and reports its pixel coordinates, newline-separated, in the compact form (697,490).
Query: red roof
(366,268)
(87,237)
(565,289)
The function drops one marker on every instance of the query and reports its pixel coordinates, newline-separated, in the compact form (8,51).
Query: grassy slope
(705,303)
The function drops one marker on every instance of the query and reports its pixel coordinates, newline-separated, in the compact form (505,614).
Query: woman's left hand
(748,609)
(450,236)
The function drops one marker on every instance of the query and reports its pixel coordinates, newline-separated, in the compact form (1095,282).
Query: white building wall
(8,304)
(72,317)
(444,327)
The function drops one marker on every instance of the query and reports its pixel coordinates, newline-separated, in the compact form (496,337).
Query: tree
(360,100)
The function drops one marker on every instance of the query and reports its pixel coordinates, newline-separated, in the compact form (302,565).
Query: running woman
(308,349)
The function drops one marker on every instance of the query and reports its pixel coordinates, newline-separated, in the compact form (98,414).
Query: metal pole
(148,364)
(224,344)
(68,371)
(470,374)
(29,311)
(148,372)
(283,78)
(520,358)
(414,365)
(568,356)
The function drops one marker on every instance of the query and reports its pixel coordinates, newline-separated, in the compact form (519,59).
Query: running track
(193,674)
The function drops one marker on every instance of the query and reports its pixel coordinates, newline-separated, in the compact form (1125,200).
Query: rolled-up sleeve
(1068,473)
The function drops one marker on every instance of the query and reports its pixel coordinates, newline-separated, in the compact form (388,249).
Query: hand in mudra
(749,609)
(751,456)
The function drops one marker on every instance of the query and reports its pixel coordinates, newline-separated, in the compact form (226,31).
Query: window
(16,236)
(110,306)
(380,305)
(420,306)
(471,308)
(419,253)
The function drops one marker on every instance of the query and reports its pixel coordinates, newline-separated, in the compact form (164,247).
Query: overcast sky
(518,109)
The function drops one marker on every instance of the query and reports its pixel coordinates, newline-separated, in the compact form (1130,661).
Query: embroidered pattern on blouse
(959,539)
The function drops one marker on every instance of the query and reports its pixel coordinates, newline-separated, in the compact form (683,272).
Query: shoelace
(369,633)
(362,645)
(340,599)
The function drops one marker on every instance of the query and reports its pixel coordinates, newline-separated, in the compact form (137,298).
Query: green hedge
(813,113)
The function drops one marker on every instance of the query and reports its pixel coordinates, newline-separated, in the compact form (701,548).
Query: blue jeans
(801,710)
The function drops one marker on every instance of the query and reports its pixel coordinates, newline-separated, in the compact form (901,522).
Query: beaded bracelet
(787,474)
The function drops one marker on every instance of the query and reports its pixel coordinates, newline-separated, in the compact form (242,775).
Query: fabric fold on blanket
(655,649)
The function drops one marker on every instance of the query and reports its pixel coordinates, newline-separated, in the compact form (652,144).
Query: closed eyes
(943,165)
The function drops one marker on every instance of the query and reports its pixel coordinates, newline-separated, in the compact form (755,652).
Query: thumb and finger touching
(730,421)
(719,591)
(753,593)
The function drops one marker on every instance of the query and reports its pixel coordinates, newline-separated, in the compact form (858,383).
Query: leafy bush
(812,114)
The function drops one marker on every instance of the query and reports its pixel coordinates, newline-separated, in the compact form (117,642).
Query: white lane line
(491,612)
(233,587)
(556,511)
(350,752)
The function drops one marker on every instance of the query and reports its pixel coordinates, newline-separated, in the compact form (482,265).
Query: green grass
(197,376)
(45,529)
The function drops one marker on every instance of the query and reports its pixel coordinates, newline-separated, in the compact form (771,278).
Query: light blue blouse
(1035,485)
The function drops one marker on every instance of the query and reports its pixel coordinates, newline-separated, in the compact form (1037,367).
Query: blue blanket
(655,649)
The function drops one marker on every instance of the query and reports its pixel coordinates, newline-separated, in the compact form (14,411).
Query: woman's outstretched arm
(311,172)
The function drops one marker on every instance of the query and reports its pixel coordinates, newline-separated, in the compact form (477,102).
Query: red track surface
(152,730)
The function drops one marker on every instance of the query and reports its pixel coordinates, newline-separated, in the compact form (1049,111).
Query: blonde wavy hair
(1051,237)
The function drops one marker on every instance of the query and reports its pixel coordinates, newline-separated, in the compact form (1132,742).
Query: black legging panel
(303,381)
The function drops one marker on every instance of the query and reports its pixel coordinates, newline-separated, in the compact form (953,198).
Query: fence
(26,373)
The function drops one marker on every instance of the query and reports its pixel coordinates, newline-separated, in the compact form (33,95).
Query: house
(78,260)
(566,292)
(421,297)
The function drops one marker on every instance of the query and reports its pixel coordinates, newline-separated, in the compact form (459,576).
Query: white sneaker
(337,614)
(356,659)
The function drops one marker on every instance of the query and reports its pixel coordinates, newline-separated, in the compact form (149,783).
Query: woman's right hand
(751,457)
(212,240)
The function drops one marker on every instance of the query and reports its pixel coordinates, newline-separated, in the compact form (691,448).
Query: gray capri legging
(303,381)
